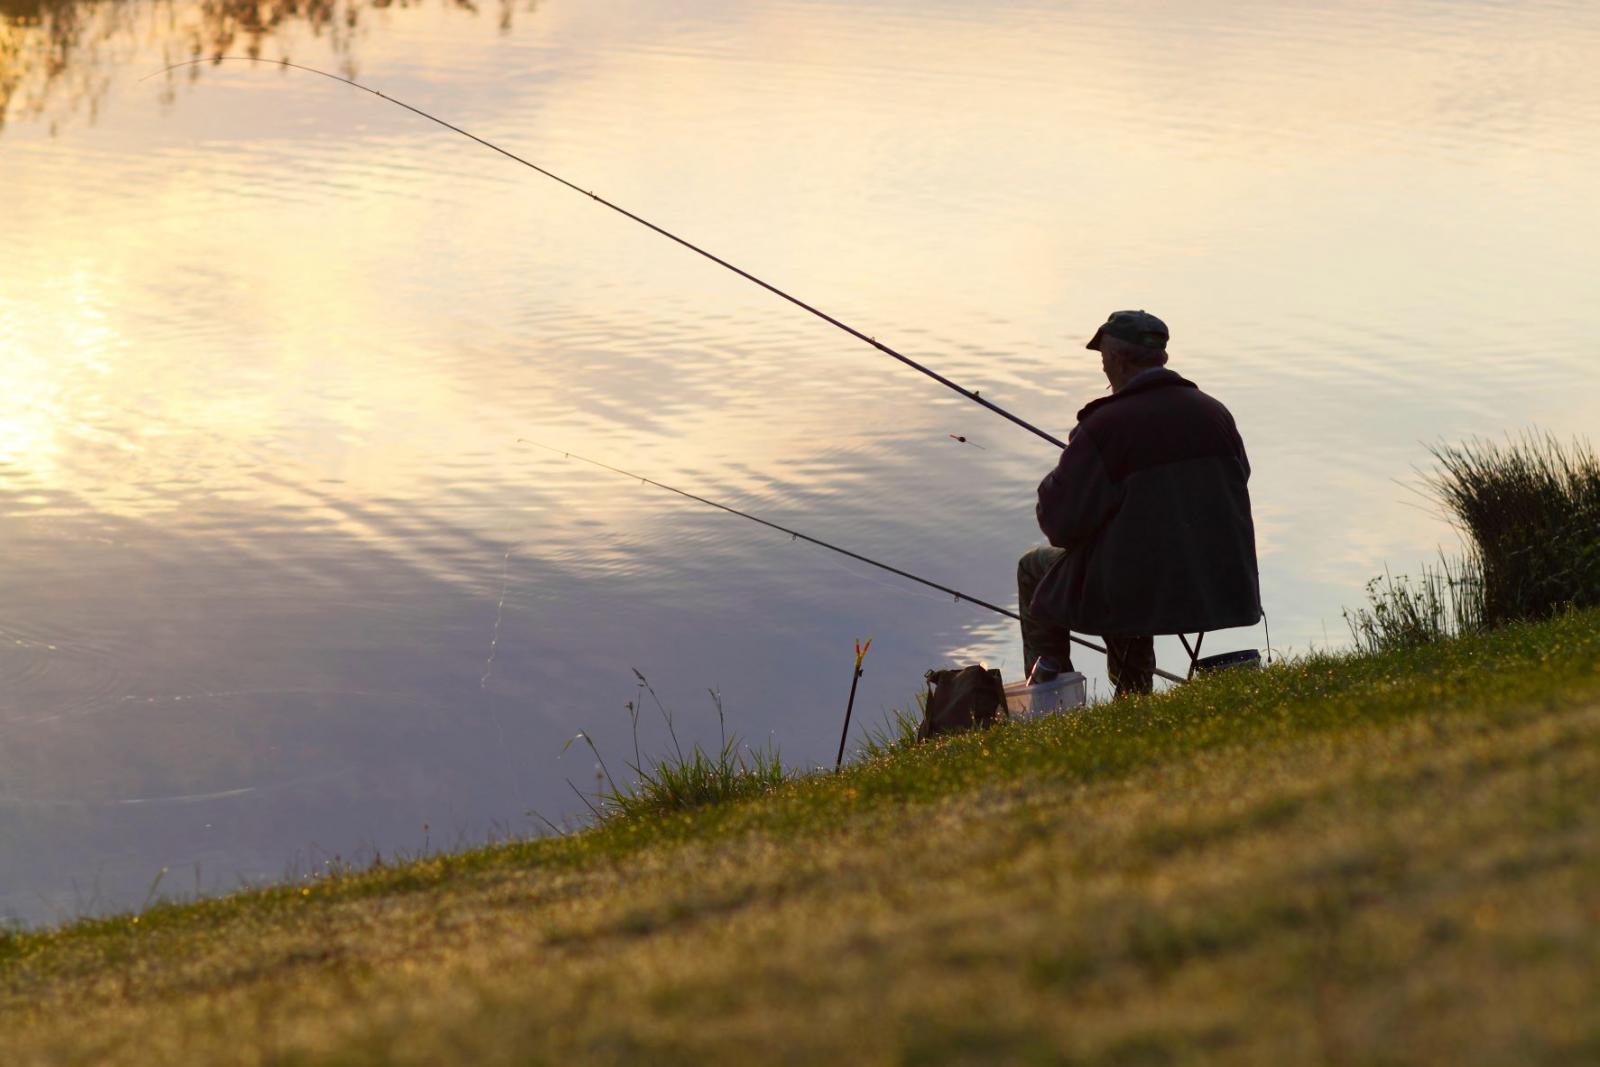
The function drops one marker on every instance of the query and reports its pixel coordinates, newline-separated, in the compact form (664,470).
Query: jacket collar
(1161,378)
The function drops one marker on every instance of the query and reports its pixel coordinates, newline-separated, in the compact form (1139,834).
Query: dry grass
(1406,876)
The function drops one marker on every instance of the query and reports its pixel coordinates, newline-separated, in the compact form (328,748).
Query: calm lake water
(278,583)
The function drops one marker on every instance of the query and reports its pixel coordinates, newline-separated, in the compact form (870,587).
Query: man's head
(1129,342)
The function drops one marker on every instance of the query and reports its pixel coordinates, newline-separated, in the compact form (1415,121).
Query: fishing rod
(958,594)
(796,301)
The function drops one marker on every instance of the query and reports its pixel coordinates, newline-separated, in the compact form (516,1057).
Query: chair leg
(1194,653)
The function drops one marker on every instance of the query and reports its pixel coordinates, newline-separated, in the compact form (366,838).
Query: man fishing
(1147,515)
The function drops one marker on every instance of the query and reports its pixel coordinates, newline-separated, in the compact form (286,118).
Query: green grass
(1383,859)
(1401,613)
(680,781)
(693,779)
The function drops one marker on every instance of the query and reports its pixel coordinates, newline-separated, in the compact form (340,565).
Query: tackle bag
(961,698)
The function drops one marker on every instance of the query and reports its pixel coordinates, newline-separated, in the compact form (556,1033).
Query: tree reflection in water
(57,56)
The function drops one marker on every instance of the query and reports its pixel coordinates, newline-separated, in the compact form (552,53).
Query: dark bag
(960,699)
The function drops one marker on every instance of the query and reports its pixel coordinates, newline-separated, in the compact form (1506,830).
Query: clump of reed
(1530,511)
(682,780)
(697,779)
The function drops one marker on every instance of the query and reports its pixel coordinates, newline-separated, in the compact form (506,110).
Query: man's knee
(1034,562)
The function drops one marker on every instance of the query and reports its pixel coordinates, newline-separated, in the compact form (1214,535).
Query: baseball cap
(1139,327)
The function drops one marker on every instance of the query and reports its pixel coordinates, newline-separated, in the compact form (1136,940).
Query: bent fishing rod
(796,301)
(958,594)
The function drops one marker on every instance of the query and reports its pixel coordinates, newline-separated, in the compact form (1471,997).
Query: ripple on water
(51,676)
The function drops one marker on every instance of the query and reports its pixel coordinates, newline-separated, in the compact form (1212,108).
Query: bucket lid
(1248,657)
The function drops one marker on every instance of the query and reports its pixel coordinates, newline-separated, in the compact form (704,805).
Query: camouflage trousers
(1130,659)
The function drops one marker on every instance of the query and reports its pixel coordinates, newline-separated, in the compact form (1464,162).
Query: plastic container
(1064,692)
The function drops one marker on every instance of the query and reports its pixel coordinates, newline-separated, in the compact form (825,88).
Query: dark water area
(278,582)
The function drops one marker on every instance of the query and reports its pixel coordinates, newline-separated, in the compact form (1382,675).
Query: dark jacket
(1150,502)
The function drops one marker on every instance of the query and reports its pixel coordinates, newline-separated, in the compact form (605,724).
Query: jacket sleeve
(1076,498)
(1238,445)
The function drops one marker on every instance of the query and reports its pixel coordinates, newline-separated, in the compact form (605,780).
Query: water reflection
(56,55)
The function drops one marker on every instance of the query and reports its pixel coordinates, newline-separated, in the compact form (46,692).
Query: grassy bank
(1388,859)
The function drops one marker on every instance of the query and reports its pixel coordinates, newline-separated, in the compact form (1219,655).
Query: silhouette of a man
(1147,515)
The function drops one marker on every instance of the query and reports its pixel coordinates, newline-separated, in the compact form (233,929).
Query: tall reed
(1532,510)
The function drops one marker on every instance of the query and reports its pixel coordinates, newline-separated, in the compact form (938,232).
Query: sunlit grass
(679,781)
(897,732)
(695,779)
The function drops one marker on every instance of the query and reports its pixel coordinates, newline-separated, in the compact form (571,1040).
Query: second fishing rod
(958,594)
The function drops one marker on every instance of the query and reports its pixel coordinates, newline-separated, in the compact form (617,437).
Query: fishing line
(796,301)
(956,593)
(488,667)
(783,529)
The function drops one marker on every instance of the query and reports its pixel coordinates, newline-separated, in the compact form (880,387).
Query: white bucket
(1064,692)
